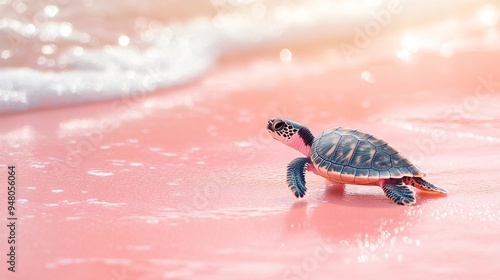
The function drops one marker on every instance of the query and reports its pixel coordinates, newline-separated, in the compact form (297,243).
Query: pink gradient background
(187,184)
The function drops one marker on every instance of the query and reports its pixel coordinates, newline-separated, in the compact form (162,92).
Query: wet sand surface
(187,184)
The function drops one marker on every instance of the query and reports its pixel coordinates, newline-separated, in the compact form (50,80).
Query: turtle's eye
(279,125)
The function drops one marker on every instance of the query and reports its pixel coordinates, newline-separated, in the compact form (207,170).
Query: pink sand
(187,184)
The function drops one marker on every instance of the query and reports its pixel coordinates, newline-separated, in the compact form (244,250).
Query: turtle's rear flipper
(422,184)
(296,176)
(400,194)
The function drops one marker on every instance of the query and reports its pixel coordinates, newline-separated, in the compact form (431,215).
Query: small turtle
(349,156)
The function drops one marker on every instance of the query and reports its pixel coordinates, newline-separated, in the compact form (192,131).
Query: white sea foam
(73,63)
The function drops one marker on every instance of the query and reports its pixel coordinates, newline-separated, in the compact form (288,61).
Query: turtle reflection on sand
(349,156)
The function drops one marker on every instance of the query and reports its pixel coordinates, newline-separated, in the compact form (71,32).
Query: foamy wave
(106,73)
(69,69)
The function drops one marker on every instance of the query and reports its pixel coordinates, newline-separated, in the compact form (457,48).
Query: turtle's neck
(302,141)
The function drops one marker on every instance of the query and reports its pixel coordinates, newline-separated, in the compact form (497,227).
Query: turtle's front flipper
(296,176)
(422,184)
(400,194)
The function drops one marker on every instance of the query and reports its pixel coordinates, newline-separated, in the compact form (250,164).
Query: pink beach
(123,171)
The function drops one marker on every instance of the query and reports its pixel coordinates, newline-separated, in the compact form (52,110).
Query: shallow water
(185,182)
(59,52)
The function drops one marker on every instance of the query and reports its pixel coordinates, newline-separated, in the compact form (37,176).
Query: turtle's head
(291,134)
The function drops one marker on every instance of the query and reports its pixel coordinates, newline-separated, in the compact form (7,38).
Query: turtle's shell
(354,157)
